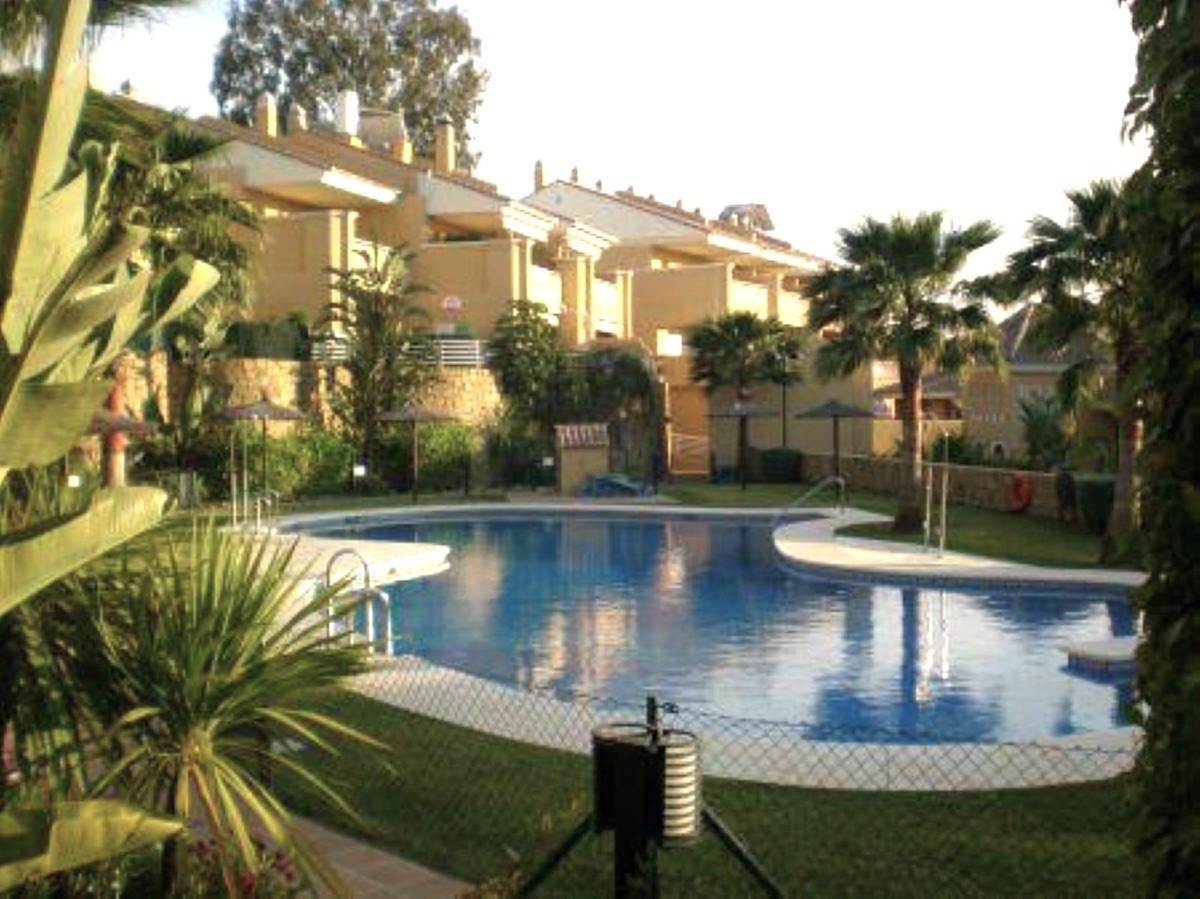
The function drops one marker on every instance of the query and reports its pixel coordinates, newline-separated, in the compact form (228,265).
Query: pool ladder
(832,480)
(367,597)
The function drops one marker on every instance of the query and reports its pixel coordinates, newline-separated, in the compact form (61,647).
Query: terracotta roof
(580,436)
(696,220)
(257,138)
(1018,349)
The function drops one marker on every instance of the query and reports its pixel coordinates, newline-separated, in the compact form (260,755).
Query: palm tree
(1086,273)
(739,350)
(784,347)
(25,22)
(1046,437)
(386,332)
(896,298)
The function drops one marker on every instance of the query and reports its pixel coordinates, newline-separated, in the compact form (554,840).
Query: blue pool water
(701,613)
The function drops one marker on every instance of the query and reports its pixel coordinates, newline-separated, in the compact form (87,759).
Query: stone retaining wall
(467,395)
(969,485)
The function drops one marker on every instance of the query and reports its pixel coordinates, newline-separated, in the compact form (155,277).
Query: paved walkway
(372,873)
(814,544)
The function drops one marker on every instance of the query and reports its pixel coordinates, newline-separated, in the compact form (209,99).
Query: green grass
(480,807)
(1019,538)
(985,532)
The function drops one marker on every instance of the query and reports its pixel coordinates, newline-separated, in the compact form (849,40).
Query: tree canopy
(1086,274)
(895,297)
(1165,101)
(398,54)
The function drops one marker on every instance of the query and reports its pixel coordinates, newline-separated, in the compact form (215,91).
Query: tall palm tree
(387,335)
(896,298)
(739,350)
(785,345)
(24,23)
(1085,271)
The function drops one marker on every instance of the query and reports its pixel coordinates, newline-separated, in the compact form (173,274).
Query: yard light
(360,470)
(646,789)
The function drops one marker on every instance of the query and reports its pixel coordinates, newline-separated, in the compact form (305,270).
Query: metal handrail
(369,600)
(812,491)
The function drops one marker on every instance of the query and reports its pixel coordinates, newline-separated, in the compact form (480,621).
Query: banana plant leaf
(35,842)
(113,517)
(42,228)
(41,422)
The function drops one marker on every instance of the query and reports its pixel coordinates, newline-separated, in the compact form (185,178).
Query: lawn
(481,807)
(1001,535)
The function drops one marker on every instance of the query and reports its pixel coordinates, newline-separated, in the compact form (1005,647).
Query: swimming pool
(699,611)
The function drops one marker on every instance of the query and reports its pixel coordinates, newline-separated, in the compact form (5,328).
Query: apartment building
(991,405)
(332,195)
(682,267)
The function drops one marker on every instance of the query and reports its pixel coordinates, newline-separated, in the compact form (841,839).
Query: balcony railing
(452,352)
(461,353)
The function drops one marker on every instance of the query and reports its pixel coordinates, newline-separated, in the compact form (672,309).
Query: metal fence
(485,778)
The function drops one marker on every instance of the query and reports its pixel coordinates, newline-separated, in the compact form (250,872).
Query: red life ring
(1020,492)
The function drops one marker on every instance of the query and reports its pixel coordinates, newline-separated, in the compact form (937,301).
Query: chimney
(575,174)
(345,116)
(539,176)
(297,119)
(445,146)
(266,115)
(402,149)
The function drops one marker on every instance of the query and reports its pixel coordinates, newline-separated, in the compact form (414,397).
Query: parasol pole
(233,475)
(245,477)
(415,462)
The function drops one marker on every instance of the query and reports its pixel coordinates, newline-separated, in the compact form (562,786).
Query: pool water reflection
(700,612)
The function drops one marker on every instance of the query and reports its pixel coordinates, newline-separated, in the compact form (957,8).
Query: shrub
(1066,492)
(781,465)
(515,449)
(1095,501)
(285,338)
(445,451)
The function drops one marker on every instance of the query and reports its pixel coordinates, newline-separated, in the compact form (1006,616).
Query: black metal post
(742,854)
(556,857)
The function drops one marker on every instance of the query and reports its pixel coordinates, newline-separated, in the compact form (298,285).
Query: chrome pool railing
(832,480)
(368,597)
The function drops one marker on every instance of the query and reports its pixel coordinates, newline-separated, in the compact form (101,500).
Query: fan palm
(211,665)
(1086,273)
(896,298)
(738,350)
(24,22)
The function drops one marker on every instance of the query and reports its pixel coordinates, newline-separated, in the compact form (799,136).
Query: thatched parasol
(415,414)
(835,410)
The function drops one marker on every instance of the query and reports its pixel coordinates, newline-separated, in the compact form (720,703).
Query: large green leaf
(71,321)
(41,422)
(40,149)
(113,517)
(35,842)
(183,285)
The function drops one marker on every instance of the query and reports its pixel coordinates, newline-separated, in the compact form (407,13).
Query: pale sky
(824,111)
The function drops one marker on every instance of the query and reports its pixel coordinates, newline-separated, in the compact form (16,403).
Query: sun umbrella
(414,415)
(835,410)
(262,411)
(742,410)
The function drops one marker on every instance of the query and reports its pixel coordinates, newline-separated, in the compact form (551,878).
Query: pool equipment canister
(646,789)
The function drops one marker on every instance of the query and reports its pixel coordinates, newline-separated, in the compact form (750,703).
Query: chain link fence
(484,779)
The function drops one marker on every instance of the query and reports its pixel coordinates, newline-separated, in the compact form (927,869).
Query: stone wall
(468,395)
(969,485)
